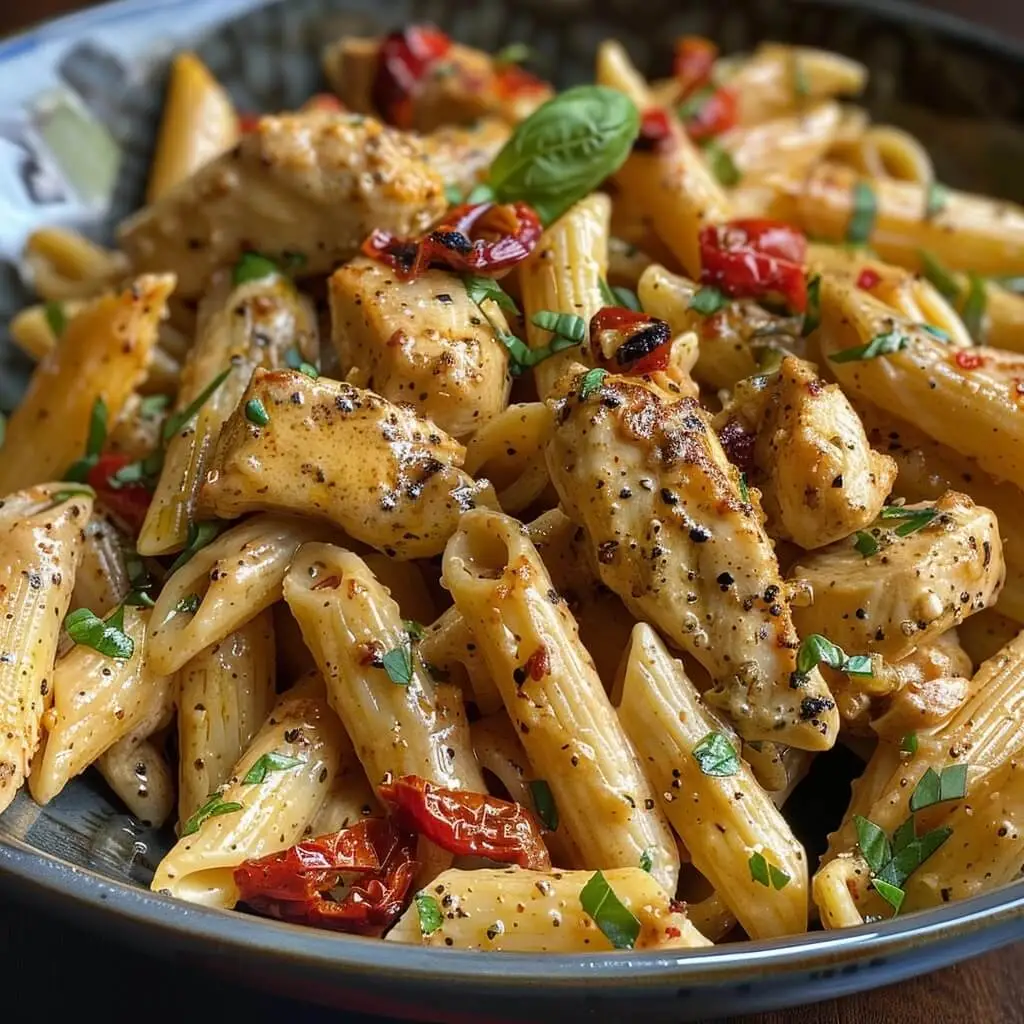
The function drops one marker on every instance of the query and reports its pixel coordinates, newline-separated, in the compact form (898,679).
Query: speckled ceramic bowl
(92,84)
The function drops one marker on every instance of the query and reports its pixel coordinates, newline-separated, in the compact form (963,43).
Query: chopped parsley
(716,756)
(744,489)
(272,762)
(56,318)
(939,276)
(591,383)
(863,215)
(908,745)
(722,165)
(514,53)
(609,913)
(179,420)
(647,859)
(938,787)
(78,472)
(256,412)
(199,535)
(189,604)
(819,650)
(910,519)
(429,912)
(708,300)
(935,200)
(973,312)
(398,664)
(254,267)
(880,345)
(767,874)
(215,806)
(812,318)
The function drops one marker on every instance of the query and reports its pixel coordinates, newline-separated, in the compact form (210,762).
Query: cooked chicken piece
(461,156)
(458,88)
(424,342)
(646,476)
(913,587)
(819,478)
(312,185)
(324,448)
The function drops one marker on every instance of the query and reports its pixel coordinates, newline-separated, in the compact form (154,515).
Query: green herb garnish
(215,806)
(609,913)
(647,859)
(819,650)
(862,218)
(189,604)
(272,762)
(908,745)
(256,412)
(716,756)
(514,53)
(199,535)
(744,489)
(398,664)
(177,421)
(105,636)
(939,276)
(722,165)
(591,383)
(480,289)
(453,195)
(565,325)
(812,318)
(767,874)
(973,312)
(911,519)
(935,200)
(56,318)
(544,804)
(880,345)
(97,436)
(429,911)
(254,267)
(937,788)
(708,300)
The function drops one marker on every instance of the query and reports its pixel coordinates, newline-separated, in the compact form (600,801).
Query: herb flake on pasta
(254,267)
(270,762)
(199,535)
(767,874)
(591,383)
(189,604)
(214,807)
(609,913)
(819,650)
(56,318)
(429,913)
(938,787)
(936,197)
(96,438)
(722,165)
(647,859)
(708,300)
(398,664)
(716,756)
(863,214)
(256,412)
(544,804)
(975,304)
(107,636)
(880,345)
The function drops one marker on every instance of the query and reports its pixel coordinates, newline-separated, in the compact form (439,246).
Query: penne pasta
(527,911)
(350,800)
(102,356)
(103,580)
(554,697)
(223,586)
(41,544)
(224,695)
(137,770)
(249,819)
(728,823)
(65,266)
(449,647)
(400,721)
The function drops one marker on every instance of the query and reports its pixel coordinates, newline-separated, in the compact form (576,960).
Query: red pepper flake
(480,238)
(869,279)
(291,885)
(248,123)
(715,115)
(406,56)
(694,61)
(968,360)
(756,259)
(641,343)
(672,932)
(128,502)
(655,131)
(538,664)
(327,583)
(467,824)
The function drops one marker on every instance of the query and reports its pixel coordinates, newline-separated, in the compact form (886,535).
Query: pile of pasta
(468,510)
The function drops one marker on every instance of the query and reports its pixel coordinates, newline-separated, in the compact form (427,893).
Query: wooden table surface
(988,990)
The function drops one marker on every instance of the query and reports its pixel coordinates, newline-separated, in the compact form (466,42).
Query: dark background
(54,972)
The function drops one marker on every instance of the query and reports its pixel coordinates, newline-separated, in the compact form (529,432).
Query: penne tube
(103,354)
(245,820)
(223,586)
(626,262)
(32,329)
(449,645)
(199,123)
(137,432)
(64,265)
(564,274)
(138,772)
(723,816)
(896,154)
(969,232)
(41,545)
(400,721)
(975,411)
(616,70)
(986,633)
(524,911)
(97,701)
(509,451)
(350,800)
(102,581)
(406,585)
(554,696)
(376,470)
(256,323)
(293,656)
(224,695)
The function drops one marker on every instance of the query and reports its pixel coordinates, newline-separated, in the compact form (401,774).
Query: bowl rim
(44,877)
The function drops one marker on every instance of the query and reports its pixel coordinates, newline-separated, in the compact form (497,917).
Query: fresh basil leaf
(973,313)
(812,318)
(708,300)
(479,289)
(722,165)
(56,318)
(267,763)
(716,756)
(565,149)
(189,604)
(880,345)
(606,910)
(904,835)
(892,894)
(254,267)
(862,218)
(908,745)
(591,383)
(779,878)
(939,276)
(911,856)
(213,808)
(873,843)
(177,421)
(953,783)
(926,792)
(429,912)
(398,664)
(199,535)
(256,412)
(817,649)
(866,544)
(565,325)
(544,804)
(514,53)
(759,870)
(647,859)
(935,200)
(107,637)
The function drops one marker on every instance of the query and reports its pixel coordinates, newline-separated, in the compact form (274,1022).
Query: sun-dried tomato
(641,343)
(405,57)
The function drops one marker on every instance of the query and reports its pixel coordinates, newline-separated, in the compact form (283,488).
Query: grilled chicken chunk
(320,447)
(646,476)
(458,88)
(908,579)
(462,156)
(313,185)
(820,479)
(423,342)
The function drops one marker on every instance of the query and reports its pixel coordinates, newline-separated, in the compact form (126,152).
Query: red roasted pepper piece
(868,279)
(716,114)
(405,58)
(467,824)
(128,502)
(756,259)
(641,342)
(290,885)
(694,61)
(483,238)
(655,131)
